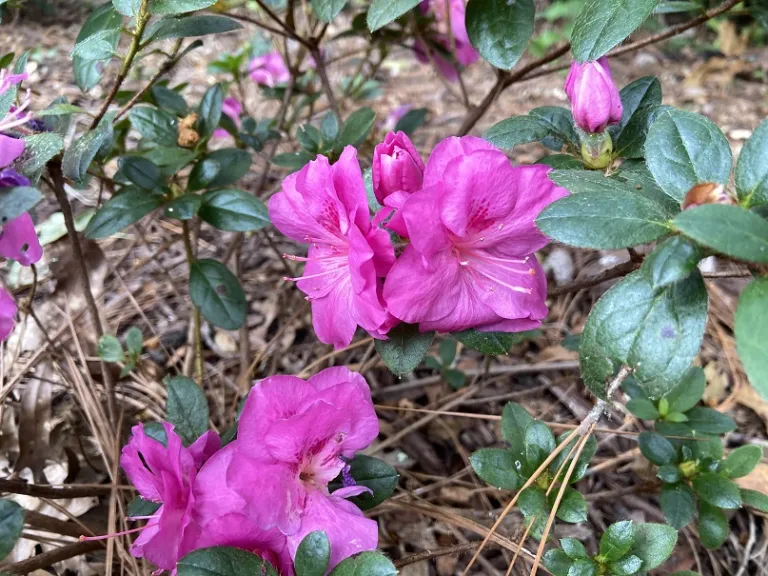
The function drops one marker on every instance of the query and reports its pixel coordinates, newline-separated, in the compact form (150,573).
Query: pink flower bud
(595,100)
(269,70)
(397,167)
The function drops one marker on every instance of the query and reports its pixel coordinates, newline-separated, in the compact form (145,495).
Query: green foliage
(752,169)
(11,524)
(216,292)
(110,349)
(365,564)
(516,130)
(130,206)
(500,30)
(327,10)
(187,408)
(191,26)
(103,26)
(313,555)
(492,343)
(78,157)
(178,6)
(234,210)
(671,261)
(17,200)
(412,120)
(219,168)
(602,25)
(155,125)
(184,207)
(751,328)
(223,561)
(497,467)
(640,100)
(405,348)
(209,112)
(374,474)
(382,12)
(356,129)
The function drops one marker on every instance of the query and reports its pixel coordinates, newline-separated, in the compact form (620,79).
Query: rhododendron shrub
(399,243)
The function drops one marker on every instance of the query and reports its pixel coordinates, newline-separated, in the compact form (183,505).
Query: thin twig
(52,557)
(429,554)
(55,492)
(197,329)
(327,88)
(616,272)
(288,31)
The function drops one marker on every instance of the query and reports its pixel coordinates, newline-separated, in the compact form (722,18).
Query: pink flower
(397,168)
(231,108)
(452,37)
(166,475)
(269,70)
(294,437)
(595,100)
(327,207)
(470,261)
(11,148)
(7,313)
(18,241)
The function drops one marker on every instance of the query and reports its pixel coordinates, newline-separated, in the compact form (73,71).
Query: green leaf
(639,100)
(191,26)
(584,458)
(365,564)
(110,349)
(184,207)
(752,168)
(709,421)
(17,200)
(220,168)
(134,340)
(539,443)
(412,120)
(561,162)
(455,378)
(658,332)
(405,348)
(327,10)
(678,502)
(223,561)
(755,499)
(382,12)
(500,30)
(140,507)
(329,126)
(496,466)
(684,149)
(488,343)
(156,431)
(96,47)
(355,129)
(617,540)
(121,211)
(533,504)
(83,151)
(310,138)
(657,449)
(687,393)
(717,491)
(155,125)
(169,100)
(178,6)
(573,506)
(372,473)
(669,473)
(557,562)
(636,174)
(104,18)
(653,544)
(142,172)
(602,25)
(609,217)
(730,230)
(127,7)
(671,261)
(742,461)
(38,150)
(209,113)
(514,422)
(313,555)
(234,210)
(11,523)
(561,126)
(447,351)
(751,328)
(713,526)
(573,548)
(643,409)
(216,292)
(583,568)
(187,408)
(516,130)
(293,160)
(627,566)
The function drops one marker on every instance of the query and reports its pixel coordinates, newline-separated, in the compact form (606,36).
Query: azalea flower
(595,99)
(7,313)
(10,147)
(18,239)
(269,70)
(231,108)
(294,437)
(165,474)
(397,169)
(326,206)
(470,262)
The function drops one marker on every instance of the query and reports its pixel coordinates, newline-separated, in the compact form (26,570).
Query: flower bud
(595,100)
(707,193)
(597,150)
(397,167)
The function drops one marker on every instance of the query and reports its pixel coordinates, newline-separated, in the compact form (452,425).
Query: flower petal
(7,313)
(446,151)
(19,241)
(350,188)
(10,149)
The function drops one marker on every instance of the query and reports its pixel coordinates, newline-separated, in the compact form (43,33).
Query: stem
(320,67)
(52,492)
(288,31)
(52,557)
(198,337)
(142,18)
(57,179)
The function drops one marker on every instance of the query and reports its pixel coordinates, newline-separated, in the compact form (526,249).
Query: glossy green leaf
(209,112)
(742,461)
(751,328)
(140,507)
(708,421)
(184,207)
(365,564)
(412,120)
(11,524)
(220,168)
(584,458)
(658,332)
(313,555)
(606,215)
(636,174)
(142,172)
(573,548)
(684,149)
(17,200)
(500,30)
(557,562)
(671,261)
(678,503)
(78,157)
(178,6)
(110,349)
(127,7)
(155,125)
(539,443)
(404,349)
(601,25)
(687,393)
(103,18)
(497,467)
(215,291)
(573,506)
(38,150)
(653,544)
(187,408)
(372,473)
(755,499)
(752,168)
(514,421)
(713,526)
(643,409)
(169,100)
(327,10)
(192,26)
(293,160)
(717,491)
(223,561)
(561,126)
(356,129)
(533,504)
(382,12)
(669,473)
(657,449)
(627,566)
(234,210)
(639,101)
(121,211)
(489,343)
(516,130)
(583,568)
(617,540)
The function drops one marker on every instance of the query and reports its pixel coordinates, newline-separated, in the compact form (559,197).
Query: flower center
(484,267)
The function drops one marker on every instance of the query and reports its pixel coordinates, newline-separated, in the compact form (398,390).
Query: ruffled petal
(10,149)
(350,188)
(446,151)
(19,241)
(204,447)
